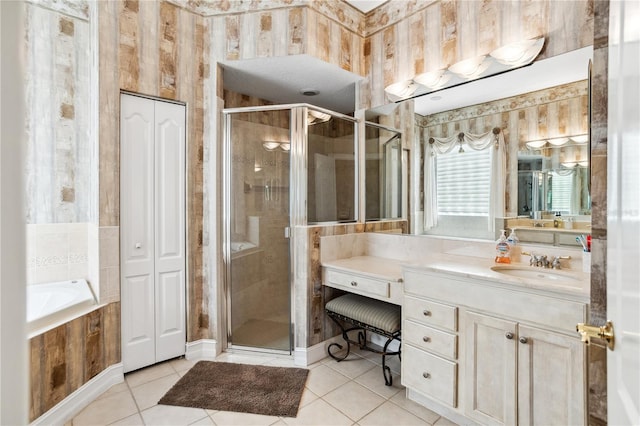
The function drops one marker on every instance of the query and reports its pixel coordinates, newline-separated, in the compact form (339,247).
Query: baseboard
(307,356)
(202,349)
(67,409)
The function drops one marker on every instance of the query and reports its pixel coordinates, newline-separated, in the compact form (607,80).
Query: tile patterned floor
(351,392)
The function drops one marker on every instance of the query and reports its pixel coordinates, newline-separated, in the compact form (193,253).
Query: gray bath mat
(258,389)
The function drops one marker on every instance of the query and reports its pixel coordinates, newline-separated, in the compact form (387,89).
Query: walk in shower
(268,151)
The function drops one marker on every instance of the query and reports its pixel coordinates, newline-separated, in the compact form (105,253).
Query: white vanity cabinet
(511,356)
(429,348)
(367,276)
(519,374)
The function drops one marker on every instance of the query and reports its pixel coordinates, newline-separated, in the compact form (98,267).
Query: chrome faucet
(542,261)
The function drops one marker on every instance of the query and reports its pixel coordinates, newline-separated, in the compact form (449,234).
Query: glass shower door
(257,255)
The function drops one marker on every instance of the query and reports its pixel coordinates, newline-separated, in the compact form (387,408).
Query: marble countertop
(572,283)
(568,283)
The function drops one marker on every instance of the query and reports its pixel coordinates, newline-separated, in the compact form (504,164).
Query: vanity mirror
(533,107)
(553,176)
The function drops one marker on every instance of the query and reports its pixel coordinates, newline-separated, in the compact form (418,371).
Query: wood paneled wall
(285,31)
(441,33)
(157,49)
(68,356)
(548,113)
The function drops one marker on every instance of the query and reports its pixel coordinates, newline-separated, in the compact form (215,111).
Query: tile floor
(351,392)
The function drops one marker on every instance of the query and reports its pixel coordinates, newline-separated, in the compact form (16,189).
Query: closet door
(137,141)
(153,228)
(170,230)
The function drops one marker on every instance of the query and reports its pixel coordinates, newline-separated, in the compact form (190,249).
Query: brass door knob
(604,332)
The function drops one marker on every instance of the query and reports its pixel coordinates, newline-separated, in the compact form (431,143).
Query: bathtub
(52,304)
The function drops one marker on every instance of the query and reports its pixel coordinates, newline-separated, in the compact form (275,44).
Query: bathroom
(173,50)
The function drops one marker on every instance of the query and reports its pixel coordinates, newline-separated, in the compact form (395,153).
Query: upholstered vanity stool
(365,314)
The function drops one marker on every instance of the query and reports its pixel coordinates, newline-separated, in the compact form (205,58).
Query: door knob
(603,332)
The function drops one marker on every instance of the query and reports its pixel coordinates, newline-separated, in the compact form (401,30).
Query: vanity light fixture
(273,145)
(518,53)
(470,68)
(317,117)
(504,58)
(401,90)
(580,139)
(558,141)
(270,145)
(536,144)
(433,79)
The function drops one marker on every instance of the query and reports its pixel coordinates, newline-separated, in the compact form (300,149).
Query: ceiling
(365,5)
(281,80)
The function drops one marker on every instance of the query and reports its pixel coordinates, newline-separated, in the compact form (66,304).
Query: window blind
(561,190)
(463,182)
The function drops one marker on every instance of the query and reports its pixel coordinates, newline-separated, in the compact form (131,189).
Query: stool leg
(345,336)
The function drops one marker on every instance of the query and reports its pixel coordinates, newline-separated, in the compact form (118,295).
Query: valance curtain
(493,140)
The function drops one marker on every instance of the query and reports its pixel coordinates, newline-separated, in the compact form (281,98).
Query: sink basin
(533,273)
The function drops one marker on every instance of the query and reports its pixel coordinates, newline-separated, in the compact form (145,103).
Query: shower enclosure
(284,166)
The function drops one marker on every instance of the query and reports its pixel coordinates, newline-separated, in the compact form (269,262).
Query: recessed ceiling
(365,5)
(282,80)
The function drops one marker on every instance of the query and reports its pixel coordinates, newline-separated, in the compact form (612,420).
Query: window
(562,190)
(463,183)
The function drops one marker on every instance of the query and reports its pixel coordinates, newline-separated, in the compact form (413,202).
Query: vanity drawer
(356,284)
(430,313)
(430,339)
(429,374)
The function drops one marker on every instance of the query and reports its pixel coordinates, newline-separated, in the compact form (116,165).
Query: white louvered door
(152,231)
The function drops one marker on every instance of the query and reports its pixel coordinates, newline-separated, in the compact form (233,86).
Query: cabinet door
(490,378)
(170,287)
(551,388)
(137,142)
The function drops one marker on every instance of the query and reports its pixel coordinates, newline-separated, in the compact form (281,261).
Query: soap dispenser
(503,251)
(514,246)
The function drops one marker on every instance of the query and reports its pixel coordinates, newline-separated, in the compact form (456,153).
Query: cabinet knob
(426,375)
(524,340)
(426,313)
(426,339)
(354,283)
(138,245)
(509,335)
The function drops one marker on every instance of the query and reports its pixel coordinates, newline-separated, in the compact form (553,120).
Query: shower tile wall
(259,215)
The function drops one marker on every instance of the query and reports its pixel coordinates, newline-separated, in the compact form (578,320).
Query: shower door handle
(287,232)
